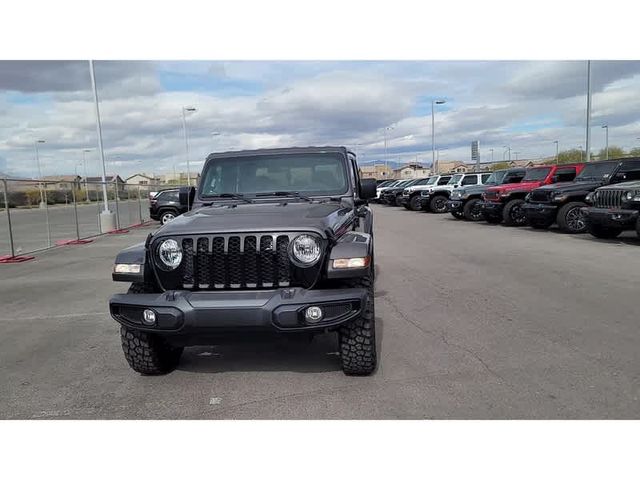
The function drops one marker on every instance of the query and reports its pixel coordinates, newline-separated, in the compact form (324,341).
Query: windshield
(432,180)
(496,177)
(595,171)
(310,173)
(536,174)
(423,181)
(455,179)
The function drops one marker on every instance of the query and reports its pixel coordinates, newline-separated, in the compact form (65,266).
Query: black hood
(323,218)
(474,189)
(634,185)
(569,187)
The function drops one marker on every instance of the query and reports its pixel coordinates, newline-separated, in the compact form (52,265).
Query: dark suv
(615,208)
(465,202)
(563,203)
(279,242)
(165,206)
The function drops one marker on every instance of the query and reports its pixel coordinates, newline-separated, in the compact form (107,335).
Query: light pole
(581,153)
(386,158)
(557,151)
(588,111)
(507,149)
(107,218)
(433,132)
(186,138)
(606,128)
(491,150)
(516,154)
(35,144)
(84,164)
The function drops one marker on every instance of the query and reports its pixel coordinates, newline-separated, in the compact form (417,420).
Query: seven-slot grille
(218,262)
(491,195)
(608,198)
(540,196)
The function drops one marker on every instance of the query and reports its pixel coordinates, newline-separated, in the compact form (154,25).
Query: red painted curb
(117,231)
(72,242)
(16,259)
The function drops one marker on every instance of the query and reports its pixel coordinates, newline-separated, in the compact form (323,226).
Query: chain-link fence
(36,215)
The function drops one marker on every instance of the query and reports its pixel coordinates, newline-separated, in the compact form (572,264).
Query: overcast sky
(526,105)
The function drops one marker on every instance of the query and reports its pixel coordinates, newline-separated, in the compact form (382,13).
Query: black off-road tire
(148,353)
(438,204)
(638,227)
(470,212)
(599,231)
(566,220)
(512,208)
(398,200)
(357,338)
(415,203)
(458,215)
(406,205)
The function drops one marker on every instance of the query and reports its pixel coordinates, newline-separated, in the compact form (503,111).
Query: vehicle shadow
(296,355)
(317,355)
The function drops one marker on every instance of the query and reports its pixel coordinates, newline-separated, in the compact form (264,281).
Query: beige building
(140,179)
(379,172)
(411,170)
(62,182)
(454,167)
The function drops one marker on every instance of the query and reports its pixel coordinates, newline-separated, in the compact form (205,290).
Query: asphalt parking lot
(475,322)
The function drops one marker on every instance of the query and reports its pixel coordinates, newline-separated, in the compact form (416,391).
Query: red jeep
(503,203)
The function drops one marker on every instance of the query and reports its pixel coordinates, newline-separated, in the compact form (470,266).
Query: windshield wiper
(284,193)
(235,196)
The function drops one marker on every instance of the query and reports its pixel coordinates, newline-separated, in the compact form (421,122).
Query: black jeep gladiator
(563,203)
(279,242)
(614,208)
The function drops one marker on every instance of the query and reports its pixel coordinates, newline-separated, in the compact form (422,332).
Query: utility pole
(433,134)
(107,218)
(588,110)
(606,128)
(557,151)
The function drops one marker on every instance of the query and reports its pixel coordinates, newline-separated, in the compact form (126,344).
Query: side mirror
(367,188)
(186,195)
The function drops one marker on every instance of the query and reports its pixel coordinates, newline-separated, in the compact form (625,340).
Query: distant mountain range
(391,163)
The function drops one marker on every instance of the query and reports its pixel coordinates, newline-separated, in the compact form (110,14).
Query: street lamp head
(440,102)
(190,109)
(605,126)
(40,141)
(215,134)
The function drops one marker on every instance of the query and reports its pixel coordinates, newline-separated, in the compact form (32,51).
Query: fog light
(149,317)
(313,314)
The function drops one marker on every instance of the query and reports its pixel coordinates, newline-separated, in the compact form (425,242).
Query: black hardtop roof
(278,151)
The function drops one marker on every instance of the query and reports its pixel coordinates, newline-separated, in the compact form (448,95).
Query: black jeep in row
(564,203)
(279,242)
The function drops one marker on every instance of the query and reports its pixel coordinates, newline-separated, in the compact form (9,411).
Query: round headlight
(629,195)
(170,253)
(305,250)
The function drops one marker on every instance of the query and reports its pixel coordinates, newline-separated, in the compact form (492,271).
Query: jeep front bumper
(540,211)
(493,209)
(611,217)
(455,205)
(279,310)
